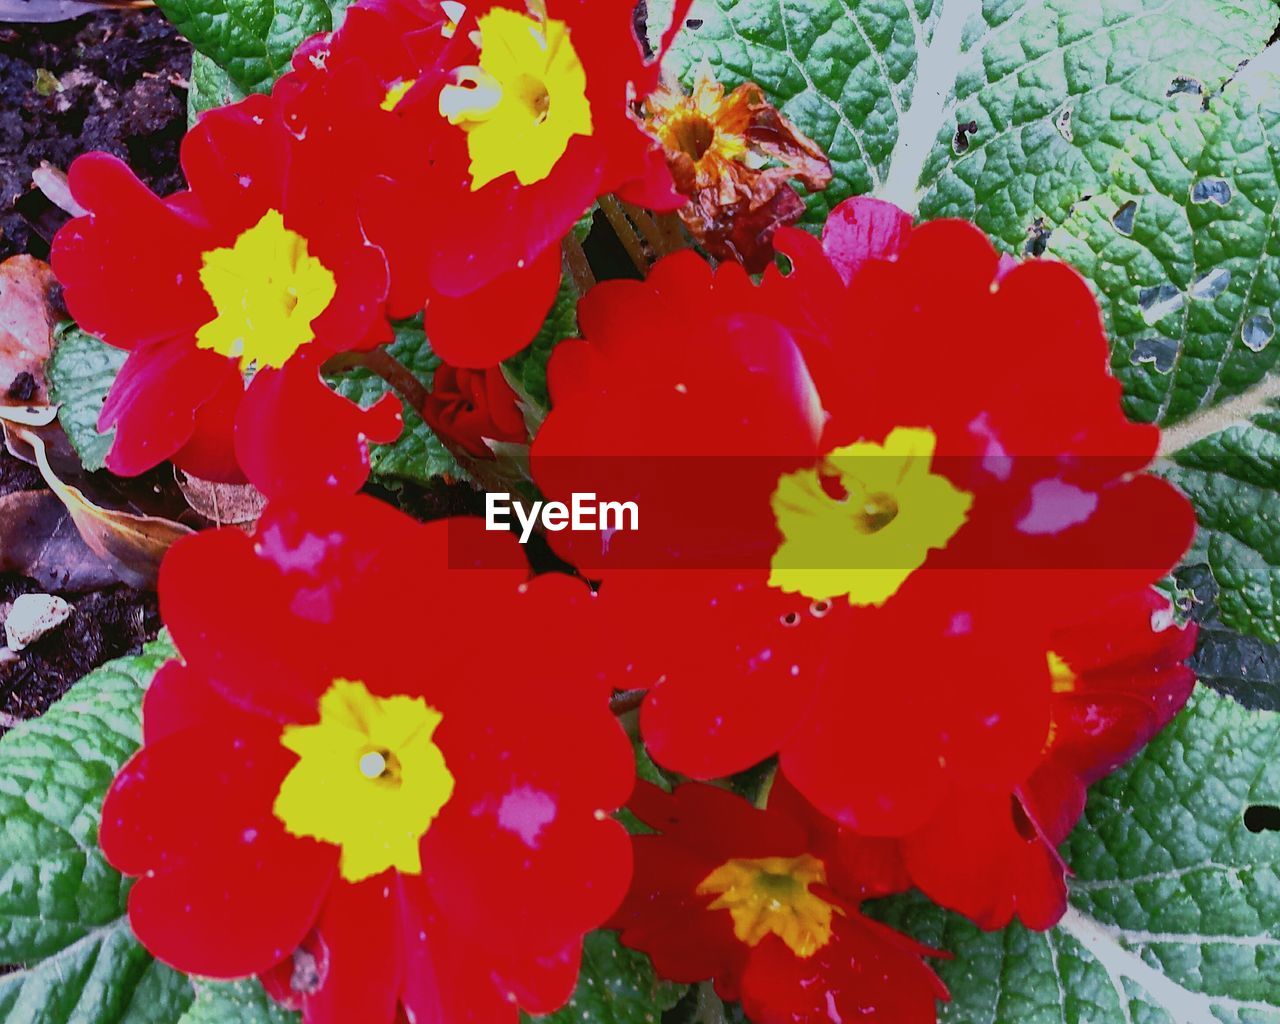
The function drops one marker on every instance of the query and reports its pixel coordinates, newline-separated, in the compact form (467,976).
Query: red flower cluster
(885,545)
(371,826)
(867,551)
(440,124)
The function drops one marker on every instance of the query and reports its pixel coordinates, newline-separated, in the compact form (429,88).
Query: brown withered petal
(736,157)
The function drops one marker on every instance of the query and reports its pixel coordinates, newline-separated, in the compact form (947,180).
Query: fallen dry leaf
(28,313)
(132,545)
(39,540)
(52,181)
(223,504)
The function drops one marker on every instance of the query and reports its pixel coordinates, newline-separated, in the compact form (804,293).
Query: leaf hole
(1212,284)
(1063,123)
(1159,301)
(1262,818)
(1211,190)
(1122,220)
(1257,332)
(1037,238)
(1185,85)
(1158,352)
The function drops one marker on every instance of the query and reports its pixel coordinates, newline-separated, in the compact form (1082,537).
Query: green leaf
(210,87)
(527,369)
(616,986)
(81,371)
(1245,668)
(1232,478)
(62,907)
(1175,907)
(251,40)
(1053,89)
(1181,248)
(418,455)
(238,1002)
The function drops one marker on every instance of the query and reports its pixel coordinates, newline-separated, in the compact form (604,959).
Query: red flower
(229,297)
(1118,679)
(346,95)
(470,407)
(765,903)
(883,527)
(374,831)
(526,117)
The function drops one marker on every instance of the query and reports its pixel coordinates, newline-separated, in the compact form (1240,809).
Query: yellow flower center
(1063,678)
(399,89)
(702,125)
(369,779)
(267,289)
(525,100)
(864,519)
(771,896)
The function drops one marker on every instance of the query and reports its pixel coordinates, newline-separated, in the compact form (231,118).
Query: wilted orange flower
(735,156)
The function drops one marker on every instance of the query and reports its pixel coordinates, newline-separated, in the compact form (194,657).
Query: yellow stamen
(525,100)
(369,779)
(1064,679)
(267,289)
(771,896)
(888,512)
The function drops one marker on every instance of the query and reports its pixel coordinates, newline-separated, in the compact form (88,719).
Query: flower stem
(625,232)
(389,368)
(648,226)
(576,260)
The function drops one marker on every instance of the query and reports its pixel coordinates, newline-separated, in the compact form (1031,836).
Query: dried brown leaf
(223,504)
(39,540)
(28,312)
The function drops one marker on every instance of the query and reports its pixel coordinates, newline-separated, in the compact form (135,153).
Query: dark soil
(121,83)
(114,81)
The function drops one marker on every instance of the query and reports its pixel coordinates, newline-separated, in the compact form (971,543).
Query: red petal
(495,321)
(157,398)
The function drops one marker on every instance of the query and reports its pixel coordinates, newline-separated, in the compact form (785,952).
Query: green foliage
(62,907)
(1052,89)
(210,87)
(1175,905)
(251,40)
(1232,478)
(238,1002)
(527,369)
(1181,250)
(80,372)
(617,986)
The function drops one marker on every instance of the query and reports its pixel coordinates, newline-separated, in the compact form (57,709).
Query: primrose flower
(1117,679)
(469,408)
(862,536)
(375,834)
(765,902)
(229,297)
(525,117)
